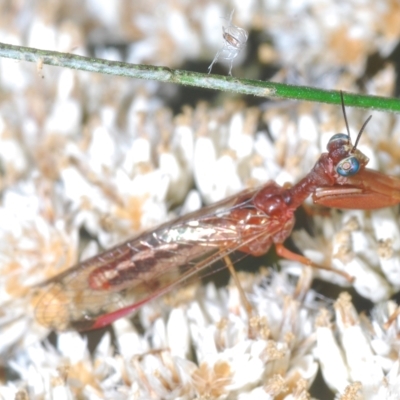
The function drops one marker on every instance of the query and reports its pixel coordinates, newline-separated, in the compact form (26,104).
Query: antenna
(359,133)
(344,115)
(347,125)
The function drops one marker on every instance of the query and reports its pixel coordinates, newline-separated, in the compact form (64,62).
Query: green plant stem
(203,80)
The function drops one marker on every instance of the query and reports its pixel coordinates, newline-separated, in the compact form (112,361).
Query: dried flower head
(235,39)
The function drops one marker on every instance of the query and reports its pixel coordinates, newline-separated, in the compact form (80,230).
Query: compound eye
(348,166)
(338,139)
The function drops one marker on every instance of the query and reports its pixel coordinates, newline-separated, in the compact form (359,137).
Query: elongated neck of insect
(317,177)
(300,191)
(321,175)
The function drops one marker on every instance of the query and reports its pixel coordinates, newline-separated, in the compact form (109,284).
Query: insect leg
(392,318)
(243,298)
(214,61)
(283,252)
(230,68)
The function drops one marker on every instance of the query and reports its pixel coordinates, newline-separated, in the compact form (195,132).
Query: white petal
(333,366)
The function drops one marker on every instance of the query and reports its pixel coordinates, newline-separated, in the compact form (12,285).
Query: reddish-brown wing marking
(108,286)
(105,287)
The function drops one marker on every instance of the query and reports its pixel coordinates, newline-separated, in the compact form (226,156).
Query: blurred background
(88,160)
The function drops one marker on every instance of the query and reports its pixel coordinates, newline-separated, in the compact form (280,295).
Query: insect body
(235,39)
(108,286)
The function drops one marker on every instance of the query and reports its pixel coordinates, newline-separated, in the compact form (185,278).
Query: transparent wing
(96,292)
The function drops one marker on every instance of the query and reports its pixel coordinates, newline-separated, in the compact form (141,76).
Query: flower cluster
(87,161)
